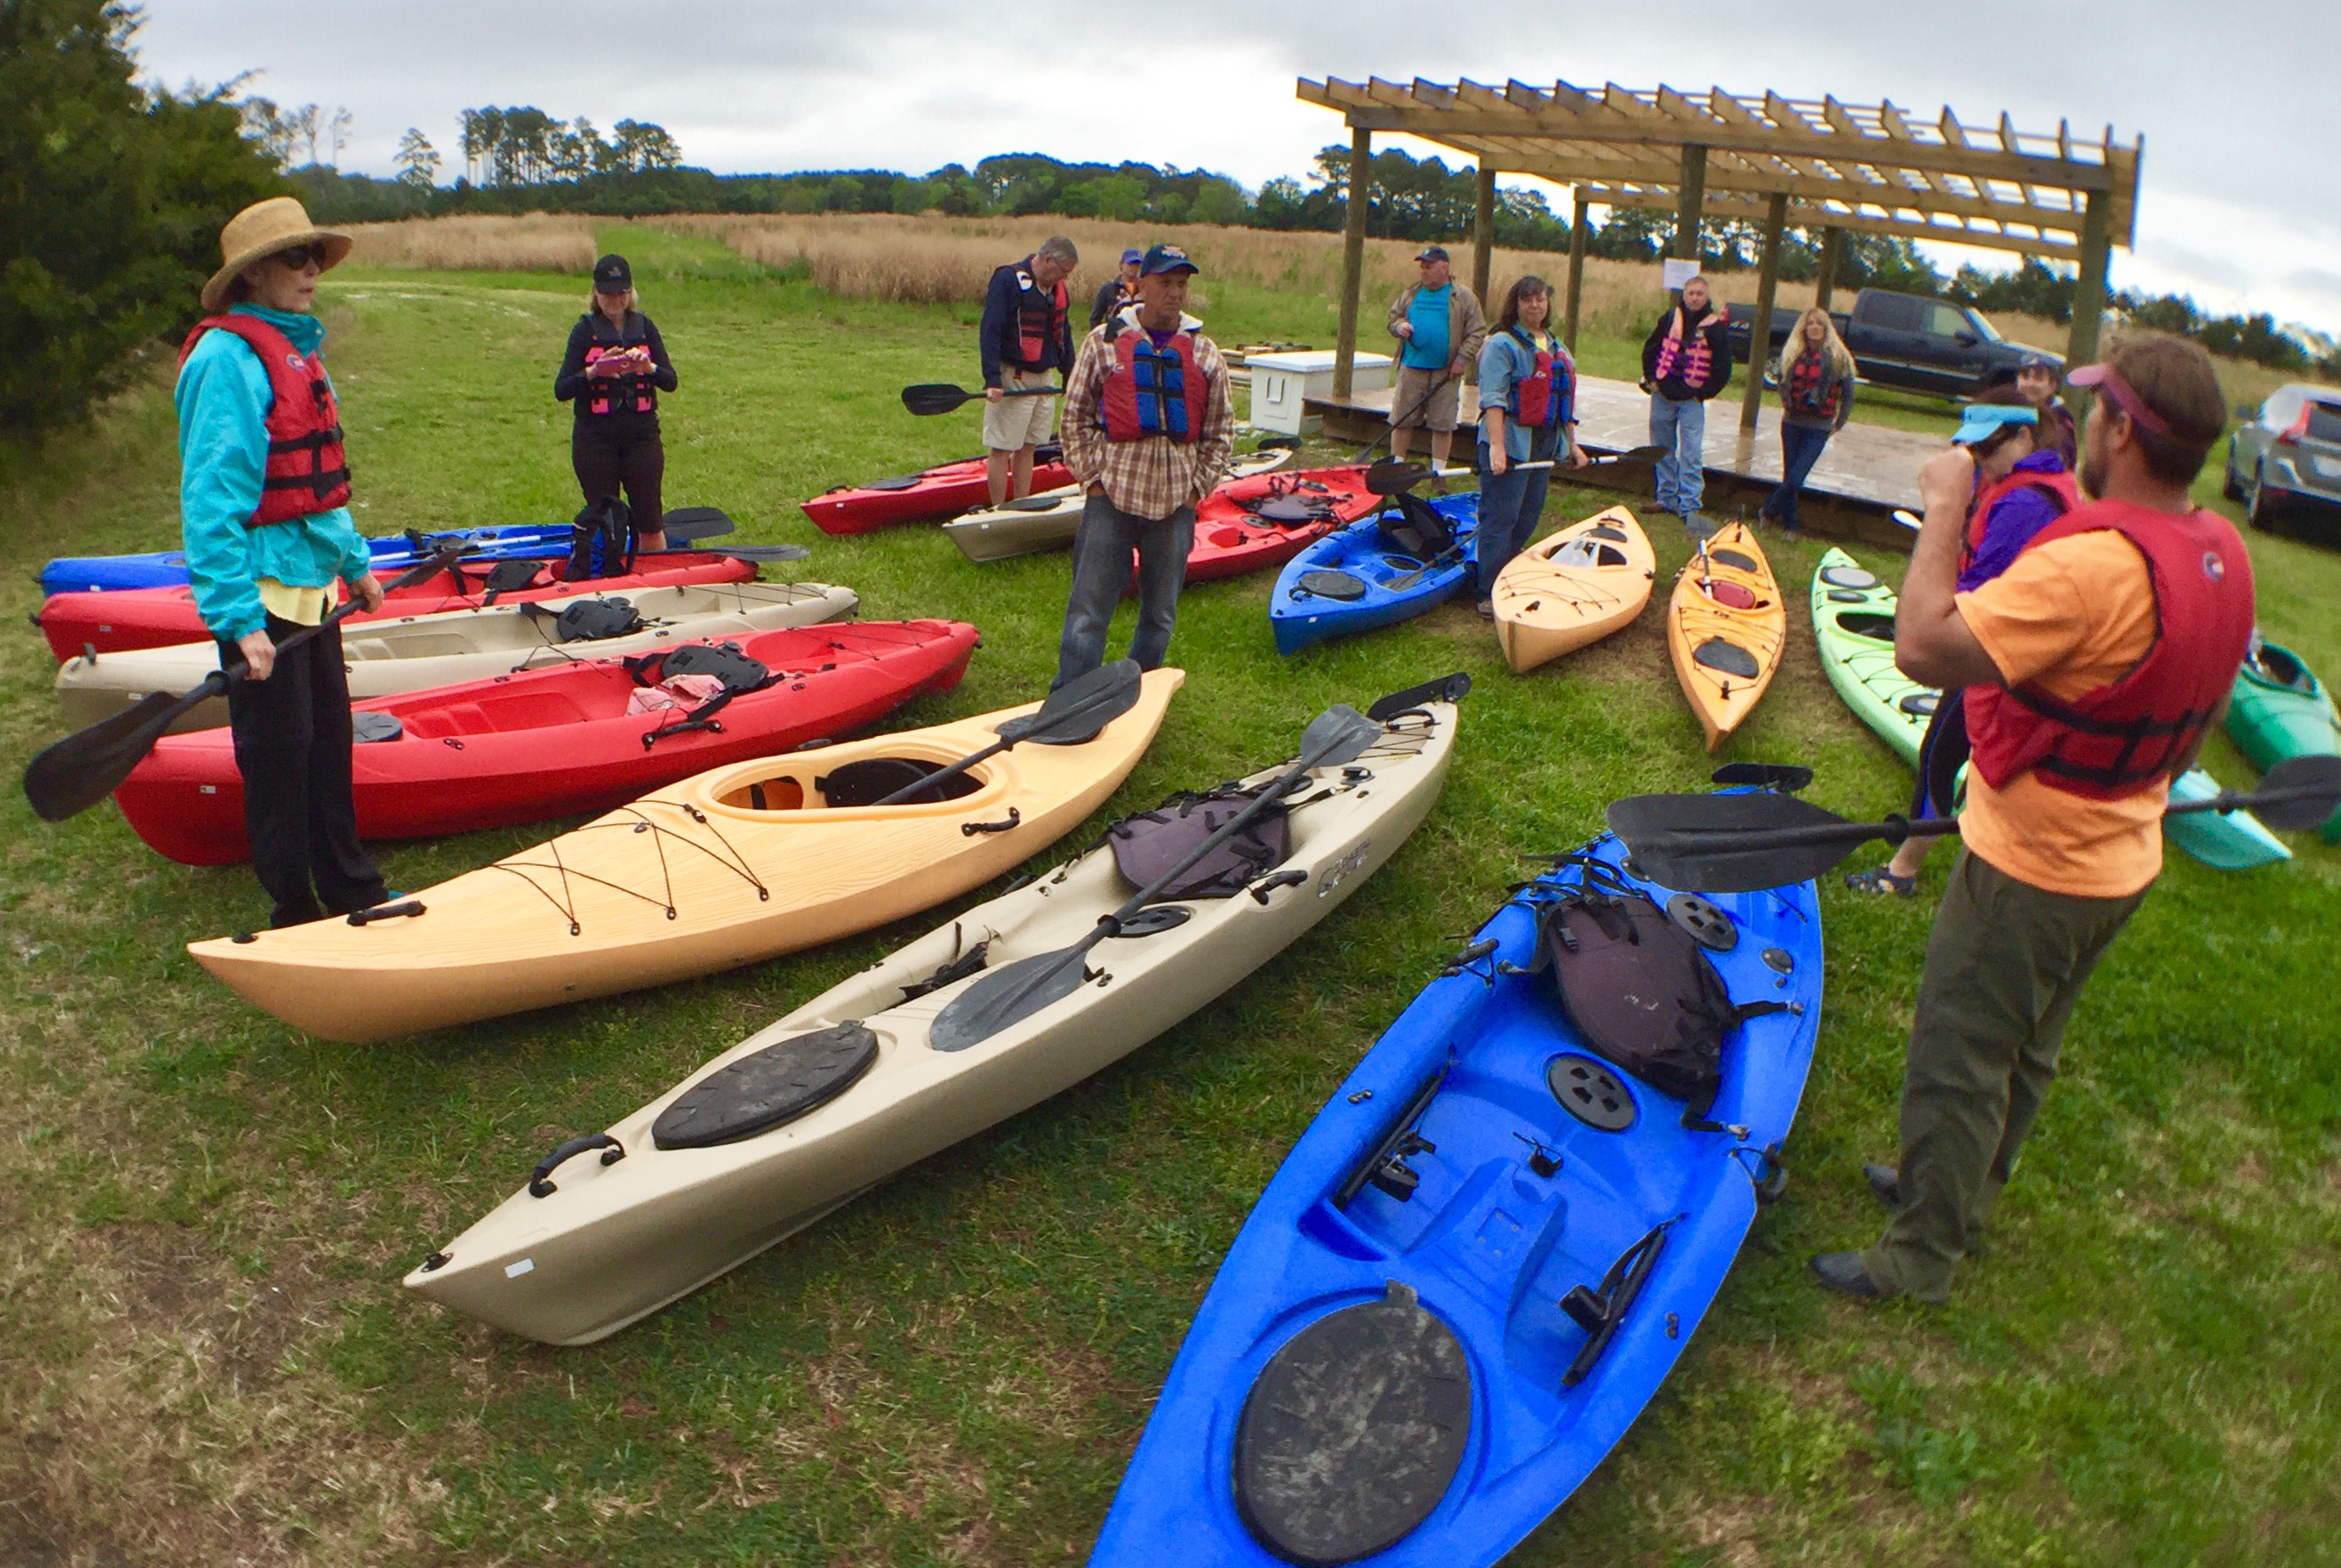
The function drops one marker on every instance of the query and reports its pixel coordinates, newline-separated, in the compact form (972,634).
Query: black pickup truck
(1905,341)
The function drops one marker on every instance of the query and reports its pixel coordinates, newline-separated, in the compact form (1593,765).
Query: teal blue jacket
(223,399)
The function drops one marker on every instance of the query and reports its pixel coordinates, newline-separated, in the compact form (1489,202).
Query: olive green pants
(2004,968)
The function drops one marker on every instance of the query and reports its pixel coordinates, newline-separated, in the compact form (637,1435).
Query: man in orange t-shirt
(2095,664)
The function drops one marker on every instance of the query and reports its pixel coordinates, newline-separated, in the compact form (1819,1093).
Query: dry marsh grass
(534,243)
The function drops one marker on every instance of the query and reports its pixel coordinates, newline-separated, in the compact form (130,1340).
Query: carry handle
(540,1180)
(1260,890)
(970,829)
(403,907)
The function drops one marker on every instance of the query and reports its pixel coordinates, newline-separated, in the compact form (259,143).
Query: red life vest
(1152,392)
(618,394)
(1814,389)
(306,472)
(1534,403)
(2122,739)
(1695,357)
(1041,320)
(2062,493)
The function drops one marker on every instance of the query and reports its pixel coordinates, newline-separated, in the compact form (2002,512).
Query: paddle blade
(2298,792)
(935,397)
(75,773)
(1075,711)
(1729,843)
(688,523)
(1008,995)
(1339,734)
(1789,778)
(1393,476)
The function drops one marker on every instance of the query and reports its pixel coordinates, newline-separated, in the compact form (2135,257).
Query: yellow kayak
(1573,587)
(1726,627)
(733,866)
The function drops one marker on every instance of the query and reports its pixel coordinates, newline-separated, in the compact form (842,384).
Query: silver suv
(2284,462)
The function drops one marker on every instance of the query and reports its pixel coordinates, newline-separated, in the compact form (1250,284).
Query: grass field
(205,1355)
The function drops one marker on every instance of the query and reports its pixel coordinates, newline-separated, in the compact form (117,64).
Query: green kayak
(1853,621)
(2281,710)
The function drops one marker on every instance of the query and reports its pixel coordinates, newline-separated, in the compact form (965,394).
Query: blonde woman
(615,366)
(1815,374)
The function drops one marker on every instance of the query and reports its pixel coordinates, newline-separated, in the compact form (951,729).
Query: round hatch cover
(1155,918)
(763,1089)
(1353,1432)
(1922,703)
(1711,926)
(1727,657)
(1340,585)
(1849,577)
(1592,1093)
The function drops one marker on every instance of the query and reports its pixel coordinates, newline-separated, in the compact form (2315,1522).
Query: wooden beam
(1691,205)
(2089,289)
(1815,215)
(1577,220)
(1832,252)
(1483,230)
(1767,293)
(1354,260)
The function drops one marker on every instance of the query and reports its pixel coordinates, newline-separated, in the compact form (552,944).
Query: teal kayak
(2281,710)
(1852,623)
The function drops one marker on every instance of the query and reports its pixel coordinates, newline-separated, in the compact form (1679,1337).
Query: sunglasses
(300,258)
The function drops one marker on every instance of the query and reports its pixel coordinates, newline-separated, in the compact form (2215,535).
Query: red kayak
(159,617)
(1265,521)
(941,492)
(553,742)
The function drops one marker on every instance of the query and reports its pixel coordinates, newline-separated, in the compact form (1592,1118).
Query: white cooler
(1282,383)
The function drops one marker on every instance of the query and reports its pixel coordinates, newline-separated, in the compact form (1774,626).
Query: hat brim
(336,245)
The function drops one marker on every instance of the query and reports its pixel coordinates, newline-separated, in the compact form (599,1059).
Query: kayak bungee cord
(737,863)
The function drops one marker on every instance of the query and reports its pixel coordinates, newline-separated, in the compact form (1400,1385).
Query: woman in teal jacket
(263,502)
(1528,415)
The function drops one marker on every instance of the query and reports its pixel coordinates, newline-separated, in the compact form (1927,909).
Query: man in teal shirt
(1440,329)
(263,502)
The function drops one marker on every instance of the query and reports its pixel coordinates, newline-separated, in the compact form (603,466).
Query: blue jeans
(1681,429)
(1510,505)
(1102,546)
(1801,448)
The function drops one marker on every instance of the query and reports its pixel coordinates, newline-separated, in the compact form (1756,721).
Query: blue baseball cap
(1165,259)
(1982,420)
(1132,254)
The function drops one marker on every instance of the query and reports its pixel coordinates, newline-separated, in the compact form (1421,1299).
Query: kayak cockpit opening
(1732,595)
(864,781)
(1878,627)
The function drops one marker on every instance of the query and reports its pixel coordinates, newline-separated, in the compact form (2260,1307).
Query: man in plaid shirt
(1147,431)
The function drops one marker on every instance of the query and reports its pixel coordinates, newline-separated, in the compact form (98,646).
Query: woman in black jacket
(613,372)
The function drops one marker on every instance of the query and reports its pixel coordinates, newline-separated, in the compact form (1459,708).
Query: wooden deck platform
(1867,471)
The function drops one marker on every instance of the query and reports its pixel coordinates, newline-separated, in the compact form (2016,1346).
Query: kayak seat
(870,780)
(1879,628)
(767,1088)
(1353,1431)
(1732,595)
(1725,657)
(1739,560)
(370,728)
(453,719)
(1146,845)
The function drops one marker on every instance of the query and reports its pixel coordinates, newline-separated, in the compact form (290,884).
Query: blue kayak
(1476,1267)
(169,568)
(1356,580)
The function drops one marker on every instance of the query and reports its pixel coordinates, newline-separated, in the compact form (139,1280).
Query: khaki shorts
(1438,413)
(1015,421)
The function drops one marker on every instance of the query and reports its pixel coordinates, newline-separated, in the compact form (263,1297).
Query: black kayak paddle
(73,774)
(1391,475)
(1742,843)
(1070,715)
(942,397)
(1338,735)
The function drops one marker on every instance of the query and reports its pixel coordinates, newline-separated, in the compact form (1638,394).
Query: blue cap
(1166,259)
(1982,420)
(1132,254)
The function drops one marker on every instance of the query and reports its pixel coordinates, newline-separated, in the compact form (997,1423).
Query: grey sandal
(1882,881)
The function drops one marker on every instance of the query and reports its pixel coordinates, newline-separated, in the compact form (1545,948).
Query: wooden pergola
(1829,166)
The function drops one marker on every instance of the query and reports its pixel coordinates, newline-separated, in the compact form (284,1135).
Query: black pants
(1941,754)
(291,734)
(634,459)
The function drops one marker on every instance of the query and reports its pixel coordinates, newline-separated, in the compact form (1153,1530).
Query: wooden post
(1577,222)
(1832,252)
(1693,203)
(1353,259)
(2089,289)
(1483,232)
(1759,331)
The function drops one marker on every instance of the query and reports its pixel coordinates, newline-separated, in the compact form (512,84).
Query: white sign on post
(1675,273)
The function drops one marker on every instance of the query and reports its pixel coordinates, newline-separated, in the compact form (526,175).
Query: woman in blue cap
(613,370)
(2021,486)
(1117,292)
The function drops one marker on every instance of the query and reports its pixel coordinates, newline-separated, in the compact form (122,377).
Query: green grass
(205,1355)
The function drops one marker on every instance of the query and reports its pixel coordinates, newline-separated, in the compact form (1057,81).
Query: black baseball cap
(611,275)
(1166,259)
(1431,253)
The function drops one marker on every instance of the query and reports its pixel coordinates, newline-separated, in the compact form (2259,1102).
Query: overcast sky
(2239,206)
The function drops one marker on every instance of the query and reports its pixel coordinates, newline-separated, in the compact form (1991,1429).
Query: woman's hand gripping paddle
(75,773)
(1071,714)
(1741,843)
(942,397)
(1337,736)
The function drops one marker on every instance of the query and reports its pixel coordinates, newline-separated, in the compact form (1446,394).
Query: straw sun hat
(261,229)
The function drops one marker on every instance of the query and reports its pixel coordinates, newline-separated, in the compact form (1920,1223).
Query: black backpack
(1149,844)
(603,528)
(1640,989)
(1416,529)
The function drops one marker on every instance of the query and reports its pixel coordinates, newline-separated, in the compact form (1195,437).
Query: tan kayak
(1726,627)
(418,652)
(1573,587)
(851,1087)
(1047,521)
(731,867)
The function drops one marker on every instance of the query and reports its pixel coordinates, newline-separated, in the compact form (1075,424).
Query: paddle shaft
(952,771)
(1420,404)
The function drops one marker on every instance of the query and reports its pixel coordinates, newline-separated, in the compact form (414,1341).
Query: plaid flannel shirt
(1156,476)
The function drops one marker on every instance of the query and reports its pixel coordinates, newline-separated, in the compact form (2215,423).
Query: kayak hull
(1853,626)
(731,867)
(394,553)
(939,492)
(1726,630)
(388,656)
(2230,841)
(159,617)
(618,1242)
(1572,588)
(1488,1243)
(2280,709)
(472,756)
(1393,587)
(1049,520)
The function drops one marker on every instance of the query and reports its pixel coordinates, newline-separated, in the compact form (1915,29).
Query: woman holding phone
(613,372)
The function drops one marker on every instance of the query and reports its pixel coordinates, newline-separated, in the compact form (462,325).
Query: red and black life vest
(306,471)
(1685,346)
(1535,402)
(618,394)
(2063,492)
(1043,320)
(1150,391)
(2122,739)
(1814,389)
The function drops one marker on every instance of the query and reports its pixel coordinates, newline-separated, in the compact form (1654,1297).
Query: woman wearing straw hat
(264,501)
